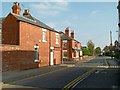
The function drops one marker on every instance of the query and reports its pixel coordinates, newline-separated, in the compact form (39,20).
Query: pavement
(11,76)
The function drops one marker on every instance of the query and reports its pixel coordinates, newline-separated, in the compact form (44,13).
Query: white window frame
(77,54)
(64,41)
(57,38)
(44,35)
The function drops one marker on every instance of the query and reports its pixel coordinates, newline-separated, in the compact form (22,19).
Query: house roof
(65,37)
(32,20)
(109,48)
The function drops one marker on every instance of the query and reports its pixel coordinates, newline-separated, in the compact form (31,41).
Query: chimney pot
(16,8)
(26,12)
(67,31)
(72,34)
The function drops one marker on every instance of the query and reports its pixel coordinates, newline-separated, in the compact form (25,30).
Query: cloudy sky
(89,20)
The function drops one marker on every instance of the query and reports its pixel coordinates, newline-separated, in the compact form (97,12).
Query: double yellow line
(72,83)
(107,64)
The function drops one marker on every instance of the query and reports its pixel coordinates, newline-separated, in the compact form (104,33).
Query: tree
(91,46)
(85,51)
(97,51)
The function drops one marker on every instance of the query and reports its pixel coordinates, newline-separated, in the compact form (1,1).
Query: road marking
(15,86)
(36,76)
(91,58)
(75,81)
(97,71)
(115,87)
(79,82)
(107,64)
(108,67)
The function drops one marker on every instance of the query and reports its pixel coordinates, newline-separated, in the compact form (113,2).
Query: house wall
(74,54)
(31,35)
(70,49)
(10,31)
(66,48)
(22,37)
(57,47)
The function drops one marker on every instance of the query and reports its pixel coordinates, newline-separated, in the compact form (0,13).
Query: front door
(51,58)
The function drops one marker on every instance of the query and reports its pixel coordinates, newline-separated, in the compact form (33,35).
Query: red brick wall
(57,56)
(31,35)
(71,44)
(70,49)
(15,59)
(26,35)
(57,49)
(10,30)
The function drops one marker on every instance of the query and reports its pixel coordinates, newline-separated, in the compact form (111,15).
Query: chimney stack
(72,34)
(26,12)
(16,8)
(67,31)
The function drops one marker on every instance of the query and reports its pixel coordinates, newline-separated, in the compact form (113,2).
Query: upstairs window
(76,45)
(64,43)
(44,39)
(57,38)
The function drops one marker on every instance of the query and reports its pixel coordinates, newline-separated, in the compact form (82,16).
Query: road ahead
(78,75)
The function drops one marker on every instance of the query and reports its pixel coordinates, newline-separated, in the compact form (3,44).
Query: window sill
(44,41)
(57,43)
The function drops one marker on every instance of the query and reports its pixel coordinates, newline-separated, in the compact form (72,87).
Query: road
(79,75)
(102,78)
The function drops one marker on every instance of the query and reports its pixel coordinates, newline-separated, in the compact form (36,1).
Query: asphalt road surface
(100,78)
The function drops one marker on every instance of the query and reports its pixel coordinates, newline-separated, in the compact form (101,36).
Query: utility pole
(110,38)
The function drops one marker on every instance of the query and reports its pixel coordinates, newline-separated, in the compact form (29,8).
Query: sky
(89,20)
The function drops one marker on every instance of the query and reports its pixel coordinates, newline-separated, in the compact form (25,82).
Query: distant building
(71,48)
(27,42)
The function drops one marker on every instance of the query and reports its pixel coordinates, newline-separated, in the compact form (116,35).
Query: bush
(117,55)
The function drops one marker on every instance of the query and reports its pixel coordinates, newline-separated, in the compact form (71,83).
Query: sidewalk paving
(12,76)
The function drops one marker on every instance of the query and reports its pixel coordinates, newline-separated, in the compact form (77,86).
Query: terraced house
(71,48)
(27,42)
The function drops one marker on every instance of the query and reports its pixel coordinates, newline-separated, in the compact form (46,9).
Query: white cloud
(49,8)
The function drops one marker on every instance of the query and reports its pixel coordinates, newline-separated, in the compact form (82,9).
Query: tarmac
(10,77)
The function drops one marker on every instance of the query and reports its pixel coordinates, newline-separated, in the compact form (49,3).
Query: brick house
(21,34)
(71,48)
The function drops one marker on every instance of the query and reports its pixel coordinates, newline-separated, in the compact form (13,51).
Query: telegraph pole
(110,38)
